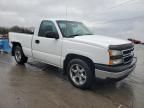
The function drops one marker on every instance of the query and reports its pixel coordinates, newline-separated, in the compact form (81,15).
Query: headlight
(117,57)
(114,52)
(117,61)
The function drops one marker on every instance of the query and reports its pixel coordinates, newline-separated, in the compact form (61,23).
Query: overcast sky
(107,17)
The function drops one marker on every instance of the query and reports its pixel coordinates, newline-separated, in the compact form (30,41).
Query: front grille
(128,55)
(127,52)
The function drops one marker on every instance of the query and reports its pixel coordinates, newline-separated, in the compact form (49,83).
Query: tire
(80,74)
(19,55)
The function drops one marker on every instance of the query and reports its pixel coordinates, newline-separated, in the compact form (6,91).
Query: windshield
(71,29)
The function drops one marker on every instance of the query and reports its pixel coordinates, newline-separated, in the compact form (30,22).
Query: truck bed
(24,39)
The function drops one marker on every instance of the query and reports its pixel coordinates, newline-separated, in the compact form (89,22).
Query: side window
(46,26)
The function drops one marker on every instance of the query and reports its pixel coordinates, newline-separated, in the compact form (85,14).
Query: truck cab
(83,55)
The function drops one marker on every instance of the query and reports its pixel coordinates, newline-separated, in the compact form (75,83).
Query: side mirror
(52,35)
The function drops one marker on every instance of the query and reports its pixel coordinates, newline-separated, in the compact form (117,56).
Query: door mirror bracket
(52,35)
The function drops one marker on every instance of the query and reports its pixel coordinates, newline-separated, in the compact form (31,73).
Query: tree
(17,29)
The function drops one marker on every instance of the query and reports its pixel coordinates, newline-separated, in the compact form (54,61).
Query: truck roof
(62,19)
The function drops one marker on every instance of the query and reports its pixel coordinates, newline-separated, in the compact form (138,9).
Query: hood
(98,40)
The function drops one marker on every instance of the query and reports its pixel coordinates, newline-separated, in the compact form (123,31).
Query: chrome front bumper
(115,73)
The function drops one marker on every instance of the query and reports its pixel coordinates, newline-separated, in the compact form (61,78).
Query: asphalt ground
(38,85)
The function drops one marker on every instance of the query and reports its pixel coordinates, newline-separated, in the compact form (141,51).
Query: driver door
(47,48)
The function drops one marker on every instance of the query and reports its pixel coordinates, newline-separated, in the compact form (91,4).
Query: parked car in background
(135,41)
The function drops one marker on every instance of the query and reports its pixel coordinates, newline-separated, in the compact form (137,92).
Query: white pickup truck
(70,45)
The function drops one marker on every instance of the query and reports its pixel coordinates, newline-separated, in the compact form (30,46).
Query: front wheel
(80,73)
(19,55)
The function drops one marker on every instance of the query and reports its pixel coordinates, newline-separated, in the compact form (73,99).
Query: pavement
(38,85)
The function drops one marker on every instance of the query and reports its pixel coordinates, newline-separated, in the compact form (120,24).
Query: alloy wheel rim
(18,55)
(78,74)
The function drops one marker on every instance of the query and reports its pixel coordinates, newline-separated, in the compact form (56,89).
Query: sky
(118,18)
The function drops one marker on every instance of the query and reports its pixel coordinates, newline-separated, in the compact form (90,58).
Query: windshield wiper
(89,34)
(72,36)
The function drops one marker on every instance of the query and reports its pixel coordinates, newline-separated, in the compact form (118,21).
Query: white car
(70,45)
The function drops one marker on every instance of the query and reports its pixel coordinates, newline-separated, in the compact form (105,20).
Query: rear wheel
(19,55)
(80,74)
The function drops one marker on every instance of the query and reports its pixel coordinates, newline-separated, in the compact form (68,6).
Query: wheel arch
(76,56)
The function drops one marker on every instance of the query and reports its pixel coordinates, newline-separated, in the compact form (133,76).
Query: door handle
(37,41)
